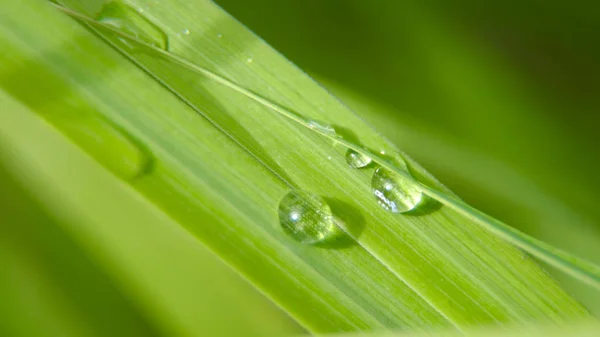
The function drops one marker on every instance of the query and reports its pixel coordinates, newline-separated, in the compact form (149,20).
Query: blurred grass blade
(579,268)
(45,278)
(220,176)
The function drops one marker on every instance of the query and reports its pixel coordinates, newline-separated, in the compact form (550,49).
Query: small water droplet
(185,32)
(381,152)
(395,193)
(322,127)
(219,36)
(131,22)
(306,217)
(108,144)
(357,160)
(249,60)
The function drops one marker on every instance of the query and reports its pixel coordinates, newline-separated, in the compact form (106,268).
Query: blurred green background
(499,100)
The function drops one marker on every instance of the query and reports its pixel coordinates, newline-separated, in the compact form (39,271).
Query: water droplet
(185,32)
(249,60)
(131,22)
(322,127)
(306,217)
(357,160)
(219,36)
(108,144)
(395,193)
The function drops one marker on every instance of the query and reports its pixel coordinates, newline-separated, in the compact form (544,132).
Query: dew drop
(249,60)
(306,217)
(131,22)
(108,144)
(395,193)
(219,36)
(357,160)
(185,32)
(322,127)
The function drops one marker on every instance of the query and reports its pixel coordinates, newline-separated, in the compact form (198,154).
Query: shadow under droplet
(347,216)
(346,134)
(426,206)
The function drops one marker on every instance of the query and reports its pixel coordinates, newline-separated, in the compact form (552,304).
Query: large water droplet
(357,160)
(108,144)
(394,192)
(306,217)
(133,23)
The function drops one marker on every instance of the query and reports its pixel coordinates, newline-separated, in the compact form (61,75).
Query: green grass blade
(434,269)
(579,268)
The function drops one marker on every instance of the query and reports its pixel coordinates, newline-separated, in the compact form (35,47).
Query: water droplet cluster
(307,217)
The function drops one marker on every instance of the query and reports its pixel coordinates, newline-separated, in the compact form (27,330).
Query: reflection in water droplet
(185,32)
(249,60)
(357,160)
(108,144)
(131,22)
(395,193)
(306,217)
